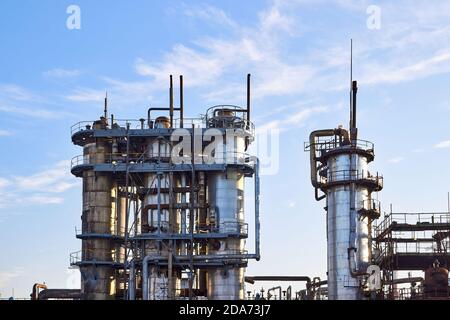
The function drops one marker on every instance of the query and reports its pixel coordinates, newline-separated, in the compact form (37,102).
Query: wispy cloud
(402,51)
(210,14)
(7,276)
(34,113)
(15,92)
(443,144)
(39,188)
(19,101)
(396,160)
(61,73)
(86,95)
(294,120)
(5,133)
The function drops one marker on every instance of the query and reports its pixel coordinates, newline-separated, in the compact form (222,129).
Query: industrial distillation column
(339,168)
(97,277)
(226,201)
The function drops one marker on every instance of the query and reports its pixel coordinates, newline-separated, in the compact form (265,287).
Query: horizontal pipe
(253,279)
(46,294)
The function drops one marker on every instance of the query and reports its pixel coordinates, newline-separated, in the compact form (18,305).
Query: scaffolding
(410,242)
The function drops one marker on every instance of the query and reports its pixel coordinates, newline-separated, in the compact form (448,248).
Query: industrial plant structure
(163,203)
(163,214)
(365,258)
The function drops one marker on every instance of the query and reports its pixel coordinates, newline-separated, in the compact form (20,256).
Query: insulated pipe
(353,271)
(35,293)
(257,222)
(132,282)
(312,153)
(73,294)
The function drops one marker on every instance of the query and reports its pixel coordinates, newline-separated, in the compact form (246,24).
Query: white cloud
(438,63)
(396,160)
(442,144)
(43,199)
(210,14)
(295,120)
(5,133)
(15,92)
(7,276)
(55,180)
(86,95)
(38,188)
(3,182)
(29,112)
(292,204)
(61,73)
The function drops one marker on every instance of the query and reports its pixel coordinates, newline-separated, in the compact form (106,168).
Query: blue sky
(298,53)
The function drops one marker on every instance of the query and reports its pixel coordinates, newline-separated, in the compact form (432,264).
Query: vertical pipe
(181,102)
(105,111)
(170,284)
(132,283)
(248,97)
(191,218)
(127,205)
(354,92)
(171,101)
(159,202)
(145,278)
(257,222)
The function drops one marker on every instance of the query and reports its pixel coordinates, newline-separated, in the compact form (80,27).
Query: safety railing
(352,175)
(88,255)
(371,204)
(188,123)
(325,144)
(201,122)
(413,219)
(228,157)
(229,227)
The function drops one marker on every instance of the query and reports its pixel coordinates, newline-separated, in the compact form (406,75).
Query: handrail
(227,157)
(327,144)
(201,122)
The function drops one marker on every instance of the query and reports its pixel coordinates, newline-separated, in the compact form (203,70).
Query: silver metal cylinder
(345,228)
(226,197)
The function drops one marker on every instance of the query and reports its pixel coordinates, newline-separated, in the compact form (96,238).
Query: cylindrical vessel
(97,280)
(157,218)
(226,197)
(346,228)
